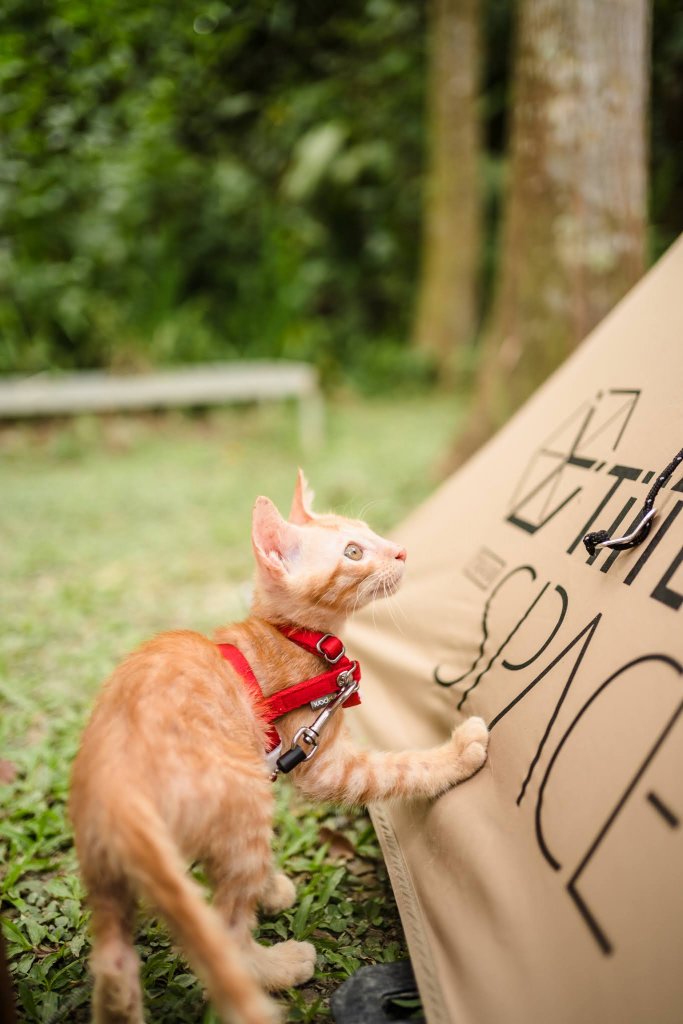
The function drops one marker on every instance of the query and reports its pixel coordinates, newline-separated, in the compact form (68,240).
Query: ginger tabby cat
(171,771)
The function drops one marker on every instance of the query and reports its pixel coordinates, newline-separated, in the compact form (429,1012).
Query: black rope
(600,538)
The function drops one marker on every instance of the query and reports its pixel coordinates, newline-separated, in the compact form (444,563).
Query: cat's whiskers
(386,594)
(366,507)
(398,607)
(392,615)
(381,583)
(367,591)
(384,586)
(374,606)
(360,596)
(318,602)
(355,605)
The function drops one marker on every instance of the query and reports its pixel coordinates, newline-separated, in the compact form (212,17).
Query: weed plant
(113,530)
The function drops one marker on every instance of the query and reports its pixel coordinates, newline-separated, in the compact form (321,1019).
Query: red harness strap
(310,691)
(243,668)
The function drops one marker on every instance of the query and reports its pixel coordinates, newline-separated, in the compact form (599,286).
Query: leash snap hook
(296,754)
(310,734)
(310,737)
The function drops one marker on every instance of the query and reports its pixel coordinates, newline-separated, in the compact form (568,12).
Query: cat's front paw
(470,742)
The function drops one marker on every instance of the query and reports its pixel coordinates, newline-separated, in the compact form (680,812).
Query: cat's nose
(402,554)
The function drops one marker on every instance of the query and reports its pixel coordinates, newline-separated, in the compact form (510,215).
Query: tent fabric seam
(412,917)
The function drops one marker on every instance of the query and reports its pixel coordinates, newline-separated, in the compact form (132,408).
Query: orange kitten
(171,770)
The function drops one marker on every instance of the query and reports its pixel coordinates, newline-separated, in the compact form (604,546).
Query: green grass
(111,530)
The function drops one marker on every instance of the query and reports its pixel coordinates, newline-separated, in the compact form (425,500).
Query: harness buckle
(323,653)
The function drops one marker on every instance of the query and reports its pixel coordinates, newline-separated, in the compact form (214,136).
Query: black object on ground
(380,994)
(7,1006)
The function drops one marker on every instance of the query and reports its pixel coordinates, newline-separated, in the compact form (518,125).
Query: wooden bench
(69,394)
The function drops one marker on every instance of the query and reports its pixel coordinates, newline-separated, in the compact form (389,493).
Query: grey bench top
(48,394)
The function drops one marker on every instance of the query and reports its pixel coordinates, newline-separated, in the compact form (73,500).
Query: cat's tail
(146,850)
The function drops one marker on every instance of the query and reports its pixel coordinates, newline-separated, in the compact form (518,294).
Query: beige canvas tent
(549,888)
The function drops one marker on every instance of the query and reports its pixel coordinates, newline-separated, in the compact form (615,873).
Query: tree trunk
(447,304)
(575,218)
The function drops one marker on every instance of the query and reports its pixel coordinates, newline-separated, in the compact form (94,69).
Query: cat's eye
(354,552)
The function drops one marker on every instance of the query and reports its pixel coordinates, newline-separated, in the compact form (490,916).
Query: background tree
(574,228)
(244,179)
(447,309)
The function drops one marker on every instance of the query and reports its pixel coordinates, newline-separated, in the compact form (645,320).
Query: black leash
(601,539)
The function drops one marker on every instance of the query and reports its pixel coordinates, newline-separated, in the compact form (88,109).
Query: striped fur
(171,771)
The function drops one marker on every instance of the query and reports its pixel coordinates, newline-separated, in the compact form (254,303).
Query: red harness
(317,691)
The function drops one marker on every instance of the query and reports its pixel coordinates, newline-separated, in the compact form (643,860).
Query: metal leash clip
(310,734)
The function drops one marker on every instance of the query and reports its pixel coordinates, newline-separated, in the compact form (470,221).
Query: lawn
(112,530)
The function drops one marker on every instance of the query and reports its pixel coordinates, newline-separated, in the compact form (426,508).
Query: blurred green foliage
(183,182)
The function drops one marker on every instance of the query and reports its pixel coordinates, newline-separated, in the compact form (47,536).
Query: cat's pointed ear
(276,542)
(301,511)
